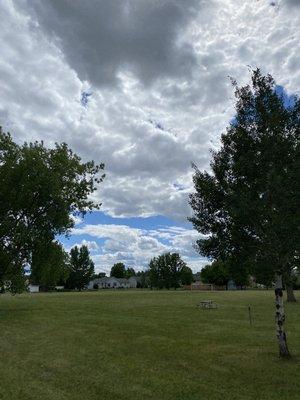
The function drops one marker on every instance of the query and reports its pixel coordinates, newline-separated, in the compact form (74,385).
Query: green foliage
(50,265)
(144,281)
(216,273)
(186,275)
(129,273)
(165,271)
(118,270)
(40,189)
(99,275)
(249,203)
(81,268)
(15,280)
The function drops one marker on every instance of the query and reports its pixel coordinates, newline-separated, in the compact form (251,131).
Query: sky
(144,87)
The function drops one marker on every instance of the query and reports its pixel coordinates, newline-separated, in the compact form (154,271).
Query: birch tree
(249,203)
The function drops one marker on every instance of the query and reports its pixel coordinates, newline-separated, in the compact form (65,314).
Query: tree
(81,268)
(129,272)
(216,273)
(144,281)
(99,275)
(186,276)
(50,265)
(165,271)
(248,204)
(118,270)
(40,190)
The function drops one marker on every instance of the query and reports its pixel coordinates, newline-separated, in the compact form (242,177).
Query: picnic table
(208,304)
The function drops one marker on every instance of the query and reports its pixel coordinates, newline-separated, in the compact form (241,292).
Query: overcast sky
(141,85)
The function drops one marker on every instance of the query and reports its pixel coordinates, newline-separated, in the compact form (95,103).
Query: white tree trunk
(280,318)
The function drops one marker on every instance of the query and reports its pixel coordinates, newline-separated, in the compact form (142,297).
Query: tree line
(165,271)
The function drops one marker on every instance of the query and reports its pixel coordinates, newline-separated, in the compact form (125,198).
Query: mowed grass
(145,345)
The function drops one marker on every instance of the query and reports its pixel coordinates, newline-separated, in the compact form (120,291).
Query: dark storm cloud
(293,2)
(100,38)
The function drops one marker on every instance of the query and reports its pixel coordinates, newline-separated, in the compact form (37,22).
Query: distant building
(33,288)
(198,285)
(201,286)
(134,281)
(113,283)
(231,285)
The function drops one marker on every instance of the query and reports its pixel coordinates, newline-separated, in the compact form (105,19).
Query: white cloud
(160,96)
(135,247)
(77,220)
(91,245)
(157,74)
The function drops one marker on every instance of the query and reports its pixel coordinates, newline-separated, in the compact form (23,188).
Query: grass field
(145,345)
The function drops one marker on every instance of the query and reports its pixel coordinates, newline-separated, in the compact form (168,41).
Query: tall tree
(50,265)
(81,268)
(40,190)
(249,203)
(144,281)
(216,273)
(99,275)
(129,272)
(118,270)
(186,275)
(165,271)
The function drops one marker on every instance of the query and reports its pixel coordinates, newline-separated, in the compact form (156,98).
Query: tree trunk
(280,318)
(290,294)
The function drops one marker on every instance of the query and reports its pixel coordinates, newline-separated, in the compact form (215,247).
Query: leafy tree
(165,271)
(186,275)
(248,204)
(216,273)
(99,275)
(129,272)
(40,190)
(81,268)
(263,274)
(144,281)
(118,270)
(50,265)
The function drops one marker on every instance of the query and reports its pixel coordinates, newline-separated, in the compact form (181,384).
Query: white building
(33,288)
(113,283)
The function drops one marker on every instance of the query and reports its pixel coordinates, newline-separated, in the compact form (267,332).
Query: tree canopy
(40,190)
(216,273)
(165,271)
(248,204)
(81,268)
(186,275)
(118,270)
(50,265)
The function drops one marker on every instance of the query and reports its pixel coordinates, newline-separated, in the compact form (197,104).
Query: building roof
(112,278)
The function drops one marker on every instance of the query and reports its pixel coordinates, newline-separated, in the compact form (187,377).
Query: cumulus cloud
(157,75)
(291,2)
(102,38)
(91,245)
(135,247)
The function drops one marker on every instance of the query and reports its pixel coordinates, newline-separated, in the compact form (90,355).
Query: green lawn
(145,345)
